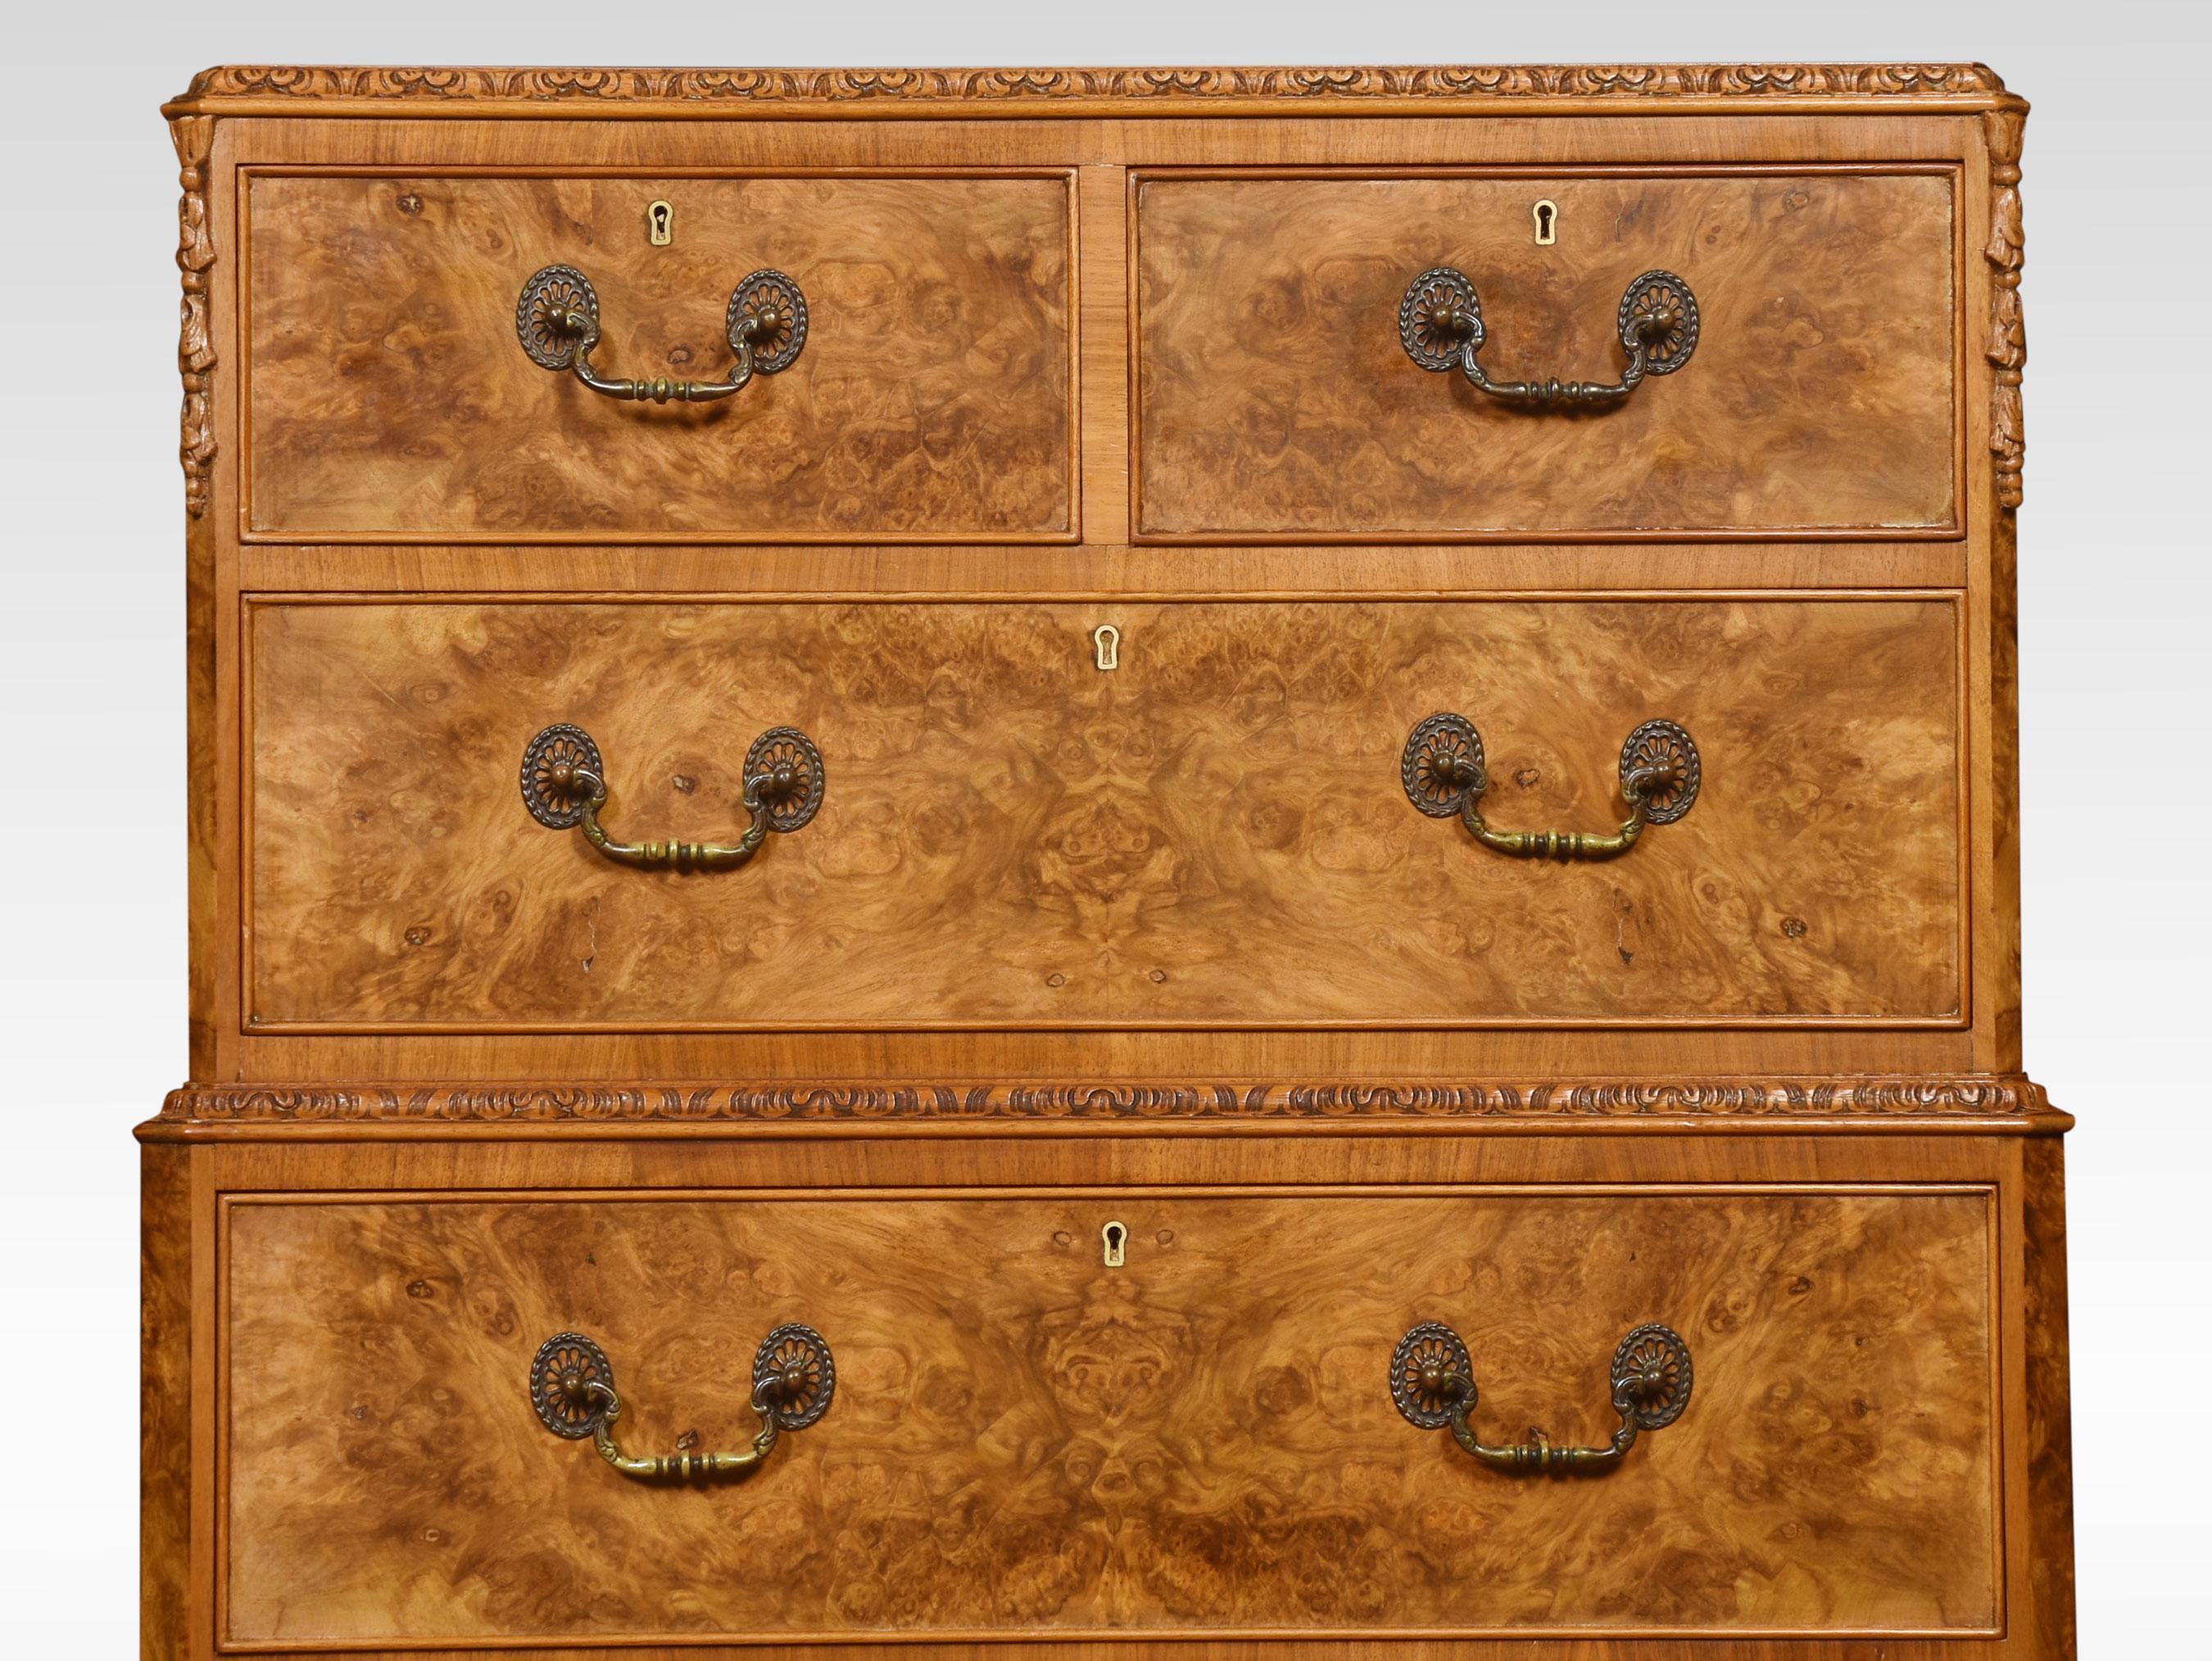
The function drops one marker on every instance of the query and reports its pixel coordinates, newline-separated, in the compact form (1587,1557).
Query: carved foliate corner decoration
(193,135)
(2006,252)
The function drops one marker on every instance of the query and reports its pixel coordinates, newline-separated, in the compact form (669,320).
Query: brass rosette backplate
(777,346)
(794,777)
(1665,297)
(1430,1348)
(565,1364)
(1652,1376)
(552,765)
(541,315)
(794,1373)
(1436,754)
(1440,319)
(1664,747)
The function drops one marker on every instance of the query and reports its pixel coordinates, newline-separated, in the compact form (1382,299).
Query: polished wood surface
(1213,834)
(1024,1438)
(1816,573)
(1273,398)
(1693,132)
(320,1168)
(2050,1393)
(390,397)
(166,1416)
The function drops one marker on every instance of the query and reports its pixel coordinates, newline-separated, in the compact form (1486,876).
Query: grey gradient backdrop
(2113,609)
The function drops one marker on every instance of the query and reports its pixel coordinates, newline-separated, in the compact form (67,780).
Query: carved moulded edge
(2006,253)
(1187,86)
(1965,1096)
(194,136)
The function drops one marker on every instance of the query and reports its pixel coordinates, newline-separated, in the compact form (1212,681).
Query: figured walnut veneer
(1165,944)
(1026,1442)
(165,1281)
(1213,834)
(1273,398)
(389,395)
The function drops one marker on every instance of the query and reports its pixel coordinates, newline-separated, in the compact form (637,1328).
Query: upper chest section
(1433,306)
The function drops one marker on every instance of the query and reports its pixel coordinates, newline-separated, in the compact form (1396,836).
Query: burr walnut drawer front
(893,815)
(1763,352)
(633,1418)
(502,357)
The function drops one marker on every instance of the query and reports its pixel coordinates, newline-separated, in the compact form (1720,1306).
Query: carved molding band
(2006,252)
(601,86)
(193,135)
(1965,1096)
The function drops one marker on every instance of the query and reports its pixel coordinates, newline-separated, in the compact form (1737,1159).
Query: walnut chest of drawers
(1103,813)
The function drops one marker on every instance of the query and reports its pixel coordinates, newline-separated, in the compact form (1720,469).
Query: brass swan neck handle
(1432,1382)
(606,1408)
(564,784)
(572,1385)
(1444,775)
(557,320)
(1440,325)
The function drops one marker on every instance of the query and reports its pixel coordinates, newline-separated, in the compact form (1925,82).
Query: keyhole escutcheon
(661,224)
(1113,1234)
(1546,215)
(1106,640)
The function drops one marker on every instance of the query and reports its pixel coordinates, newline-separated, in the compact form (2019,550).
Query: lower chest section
(1112,1410)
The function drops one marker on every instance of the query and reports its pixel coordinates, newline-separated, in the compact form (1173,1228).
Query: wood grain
(1701,136)
(328,1159)
(1253,1512)
(1371,570)
(1024,1441)
(1273,398)
(389,395)
(1994,627)
(2049,1430)
(1213,834)
(166,1410)
(1268,1647)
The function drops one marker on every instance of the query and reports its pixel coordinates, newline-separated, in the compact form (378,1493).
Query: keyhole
(1547,220)
(1114,1234)
(1107,639)
(661,224)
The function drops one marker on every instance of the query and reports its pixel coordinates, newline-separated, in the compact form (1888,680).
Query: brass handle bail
(1433,1384)
(572,1385)
(1443,775)
(1440,325)
(557,320)
(564,784)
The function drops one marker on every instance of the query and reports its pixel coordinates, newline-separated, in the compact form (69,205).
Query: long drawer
(1058,1412)
(1251,819)
(1799,376)
(411,378)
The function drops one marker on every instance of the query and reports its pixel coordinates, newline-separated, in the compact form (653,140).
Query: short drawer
(994,1432)
(1806,385)
(393,393)
(1244,823)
